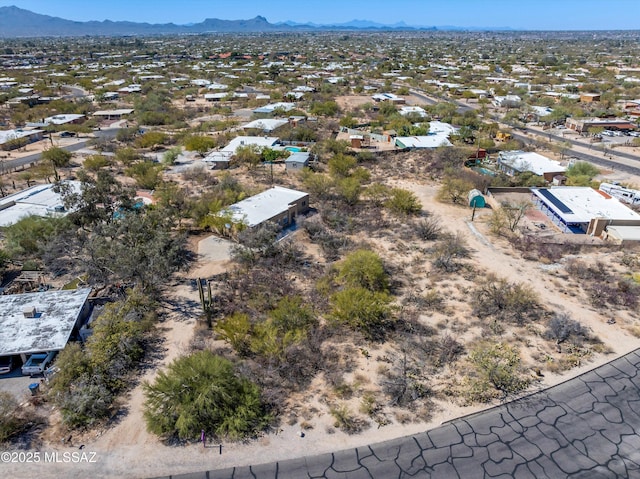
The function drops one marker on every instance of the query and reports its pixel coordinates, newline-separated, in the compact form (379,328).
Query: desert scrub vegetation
(602,287)
(504,301)
(496,372)
(14,419)
(203,392)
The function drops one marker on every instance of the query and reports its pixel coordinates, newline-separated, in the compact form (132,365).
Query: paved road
(588,427)
(10,165)
(626,166)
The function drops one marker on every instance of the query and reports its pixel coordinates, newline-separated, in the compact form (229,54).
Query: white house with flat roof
(413,110)
(7,136)
(64,119)
(40,322)
(39,200)
(271,107)
(220,159)
(575,208)
(114,114)
(512,162)
(438,136)
(265,124)
(277,204)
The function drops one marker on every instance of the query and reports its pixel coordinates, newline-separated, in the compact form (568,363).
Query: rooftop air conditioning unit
(30,311)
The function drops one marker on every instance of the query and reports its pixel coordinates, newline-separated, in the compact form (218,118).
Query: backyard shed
(476,199)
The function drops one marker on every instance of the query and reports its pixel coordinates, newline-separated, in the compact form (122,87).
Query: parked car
(67,134)
(37,363)
(6,364)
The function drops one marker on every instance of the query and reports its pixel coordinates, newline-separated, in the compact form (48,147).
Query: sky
(517,14)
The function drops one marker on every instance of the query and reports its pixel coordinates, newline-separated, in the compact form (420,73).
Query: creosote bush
(502,300)
(497,372)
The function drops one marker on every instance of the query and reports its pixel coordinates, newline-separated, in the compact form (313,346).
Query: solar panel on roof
(555,201)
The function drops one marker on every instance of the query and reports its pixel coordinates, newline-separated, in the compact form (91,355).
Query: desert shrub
(12,421)
(404,381)
(363,268)
(171,155)
(562,328)
(341,165)
(346,420)
(497,371)
(447,350)
(348,190)
(581,270)
(505,301)
(331,243)
(96,162)
(403,202)
(432,300)
(377,193)
(621,293)
(533,249)
(362,309)
(203,392)
(151,139)
(146,173)
(257,242)
(447,253)
(235,329)
(199,143)
(428,229)
(287,324)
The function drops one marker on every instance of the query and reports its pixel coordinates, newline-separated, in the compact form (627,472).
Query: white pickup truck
(37,363)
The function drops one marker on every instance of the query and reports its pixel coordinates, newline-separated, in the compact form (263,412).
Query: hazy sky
(522,14)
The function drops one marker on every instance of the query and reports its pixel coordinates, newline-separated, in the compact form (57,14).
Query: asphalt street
(587,427)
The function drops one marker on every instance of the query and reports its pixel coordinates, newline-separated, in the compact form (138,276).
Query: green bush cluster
(203,392)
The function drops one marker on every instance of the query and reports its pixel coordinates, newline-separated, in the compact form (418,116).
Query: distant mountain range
(17,22)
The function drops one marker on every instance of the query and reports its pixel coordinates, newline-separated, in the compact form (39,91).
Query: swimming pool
(293,149)
(484,171)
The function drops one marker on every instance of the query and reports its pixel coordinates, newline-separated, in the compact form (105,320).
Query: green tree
(97,200)
(341,165)
(582,168)
(378,193)
(96,162)
(146,173)
(455,190)
(200,143)
(137,246)
(170,156)
(57,156)
(151,139)
(327,108)
(27,236)
(248,155)
(348,190)
(203,392)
